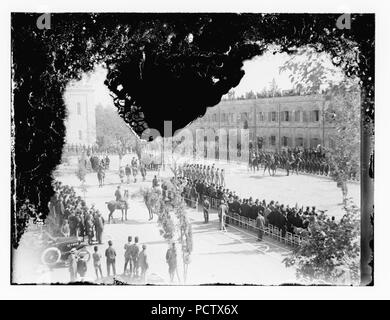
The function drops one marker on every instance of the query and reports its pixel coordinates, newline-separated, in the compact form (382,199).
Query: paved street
(231,257)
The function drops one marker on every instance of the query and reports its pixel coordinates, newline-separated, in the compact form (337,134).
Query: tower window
(316,115)
(297,116)
(286,116)
(272,140)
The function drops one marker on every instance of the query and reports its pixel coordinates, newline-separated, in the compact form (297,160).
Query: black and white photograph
(191,148)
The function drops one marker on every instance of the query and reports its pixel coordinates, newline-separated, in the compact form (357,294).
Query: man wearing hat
(99,226)
(81,266)
(110,258)
(260,223)
(134,253)
(222,211)
(143,263)
(206,207)
(72,259)
(127,248)
(118,194)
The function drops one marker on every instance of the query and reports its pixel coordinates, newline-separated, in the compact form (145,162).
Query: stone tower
(81,118)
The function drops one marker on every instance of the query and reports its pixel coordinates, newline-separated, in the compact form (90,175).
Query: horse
(122,205)
(296,165)
(94,163)
(151,201)
(271,165)
(253,163)
(101,175)
(292,165)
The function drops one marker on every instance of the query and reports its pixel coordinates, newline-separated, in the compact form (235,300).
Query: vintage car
(58,249)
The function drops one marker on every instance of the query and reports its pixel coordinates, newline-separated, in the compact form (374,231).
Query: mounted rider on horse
(120,203)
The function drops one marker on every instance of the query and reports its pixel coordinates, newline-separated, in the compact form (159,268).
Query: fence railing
(250,224)
(269,230)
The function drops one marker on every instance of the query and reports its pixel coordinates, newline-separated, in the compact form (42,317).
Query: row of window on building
(285,141)
(270,116)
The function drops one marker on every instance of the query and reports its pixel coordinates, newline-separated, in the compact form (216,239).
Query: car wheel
(51,256)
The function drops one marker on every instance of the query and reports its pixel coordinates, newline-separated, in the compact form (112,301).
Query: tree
(263,94)
(112,133)
(344,111)
(312,73)
(274,90)
(331,251)
(172,218)
(250,95)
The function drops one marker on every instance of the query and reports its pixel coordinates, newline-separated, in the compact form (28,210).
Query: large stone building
(273,123)
(81,120)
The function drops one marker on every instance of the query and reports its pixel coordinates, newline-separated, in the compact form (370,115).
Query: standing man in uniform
(212,174)
(72,259)
(99,227)
(128,173)
(260,223)
(110,258)
(134,166)
(222,178)
(134,253)
(222,215)
(118,194)
(217,177)
(206,208)
(143,263)
(127,248)
(155,182)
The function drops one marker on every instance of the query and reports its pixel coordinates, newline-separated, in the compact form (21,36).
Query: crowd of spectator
(70,217)
(287,218)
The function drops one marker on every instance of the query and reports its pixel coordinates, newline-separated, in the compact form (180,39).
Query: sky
(259,72)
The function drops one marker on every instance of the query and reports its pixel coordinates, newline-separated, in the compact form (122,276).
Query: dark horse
(152,200)
(270,164)
(122,205)
(296,165)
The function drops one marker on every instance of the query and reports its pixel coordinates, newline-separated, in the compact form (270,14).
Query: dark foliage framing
(161,67)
